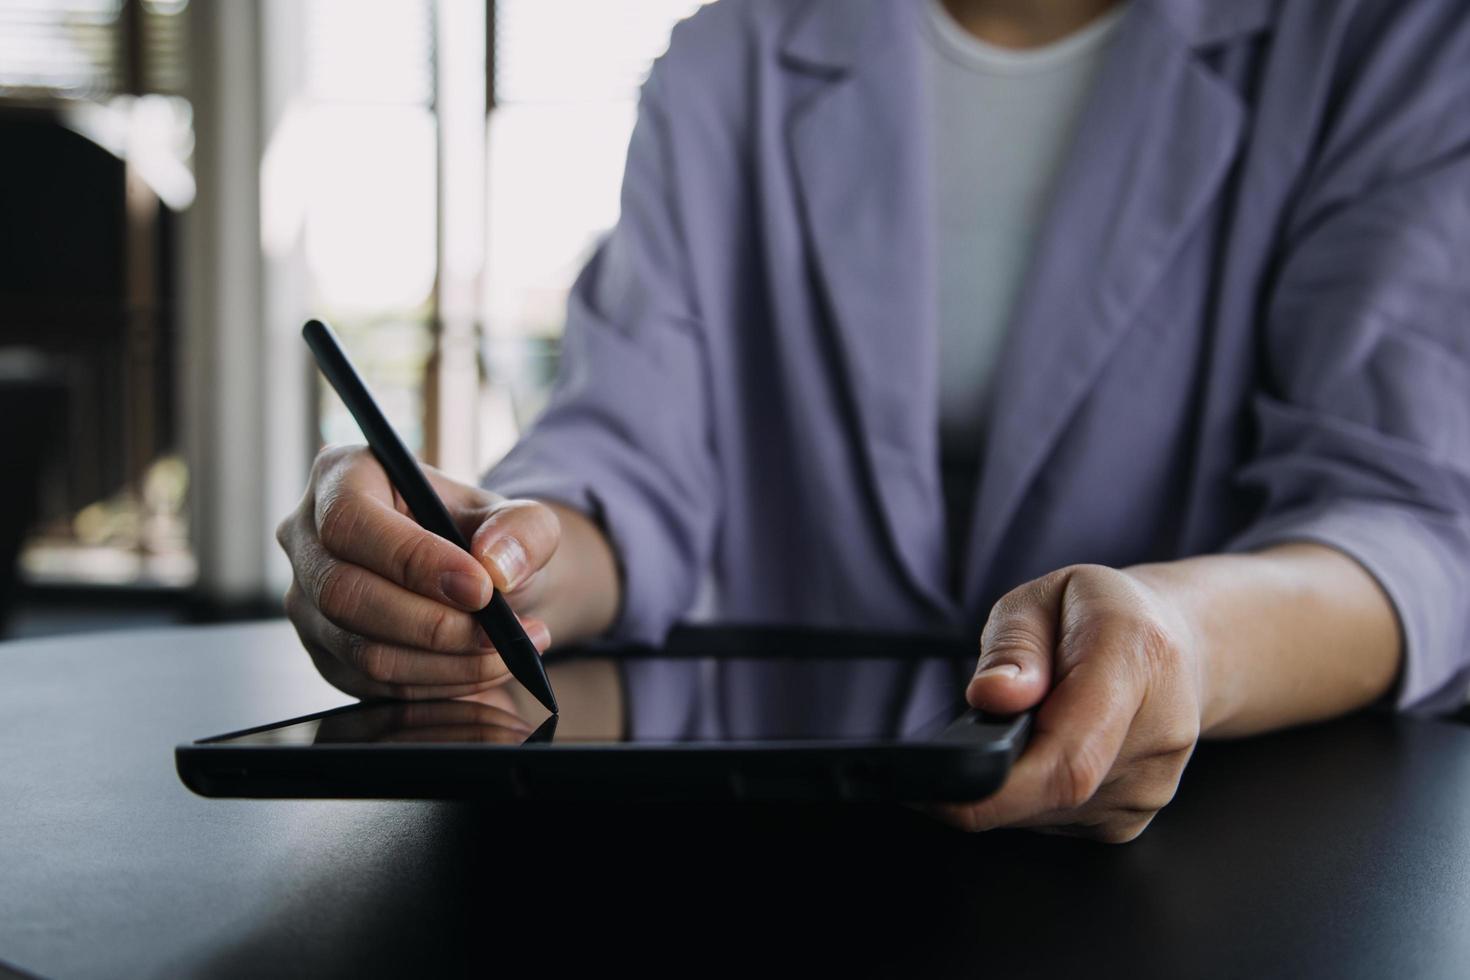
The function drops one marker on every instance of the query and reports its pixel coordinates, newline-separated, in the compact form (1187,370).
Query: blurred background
(183,182)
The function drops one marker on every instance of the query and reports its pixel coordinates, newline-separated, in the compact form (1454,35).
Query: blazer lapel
(1150,153)
(861,156)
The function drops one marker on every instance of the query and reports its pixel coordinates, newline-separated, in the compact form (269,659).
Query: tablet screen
(670,699)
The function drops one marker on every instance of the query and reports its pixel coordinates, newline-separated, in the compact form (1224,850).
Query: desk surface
(1341,850)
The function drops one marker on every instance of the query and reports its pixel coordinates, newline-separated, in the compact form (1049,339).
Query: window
(98,137)
(353,170)
(565,86)
(91,48)
(440,245)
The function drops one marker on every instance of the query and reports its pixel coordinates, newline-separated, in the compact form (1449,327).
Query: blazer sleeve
(1363,416)
(625,436)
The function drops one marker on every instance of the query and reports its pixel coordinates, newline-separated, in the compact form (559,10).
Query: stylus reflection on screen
(655,699)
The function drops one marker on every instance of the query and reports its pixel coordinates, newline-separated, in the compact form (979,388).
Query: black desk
(1342,850)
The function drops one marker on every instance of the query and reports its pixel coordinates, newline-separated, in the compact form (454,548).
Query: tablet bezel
(967,759)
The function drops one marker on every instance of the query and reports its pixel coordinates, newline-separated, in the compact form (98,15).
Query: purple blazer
(1247,321)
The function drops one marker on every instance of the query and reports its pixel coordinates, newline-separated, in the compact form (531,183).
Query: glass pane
(358,163)
(71,46)
(371,51)
(567,74)
(579,50)
(555,171)
(392,355)
(370,214)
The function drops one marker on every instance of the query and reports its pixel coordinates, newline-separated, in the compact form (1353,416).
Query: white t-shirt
(1002,121)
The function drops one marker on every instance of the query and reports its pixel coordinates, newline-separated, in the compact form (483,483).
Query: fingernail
(510,558)
(1008,671)
(464,590)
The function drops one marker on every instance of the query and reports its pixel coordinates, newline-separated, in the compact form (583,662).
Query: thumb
(1015,668)
(515,539)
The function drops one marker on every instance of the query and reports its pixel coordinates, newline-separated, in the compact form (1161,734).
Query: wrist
(1183,607)
(584,591)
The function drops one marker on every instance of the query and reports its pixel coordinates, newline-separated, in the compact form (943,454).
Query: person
(1131,340)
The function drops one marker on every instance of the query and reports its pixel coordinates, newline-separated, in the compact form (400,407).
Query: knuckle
(334,453)
(1155,797)
(1009,604)
(337,518)
(1178,739)
(1078,776)
(441,630)
(360,655)
(338,591)
(323,462)
(379,662)
(1121,831)
(1157,644)
(1007,634)
(1160,790)
(413,558)
(351,651)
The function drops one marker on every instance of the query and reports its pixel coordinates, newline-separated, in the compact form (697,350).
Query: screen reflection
(672,699)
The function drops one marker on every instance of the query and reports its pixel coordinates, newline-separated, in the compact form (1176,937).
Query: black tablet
(871,719)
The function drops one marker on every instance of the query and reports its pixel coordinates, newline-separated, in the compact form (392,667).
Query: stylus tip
(547,699)
(540,687)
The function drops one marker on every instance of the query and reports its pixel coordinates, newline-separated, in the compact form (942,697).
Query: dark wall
(64,263)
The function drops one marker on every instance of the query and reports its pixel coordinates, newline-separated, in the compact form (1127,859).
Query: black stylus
(500,623)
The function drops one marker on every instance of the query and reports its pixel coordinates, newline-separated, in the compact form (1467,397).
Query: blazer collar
(829,35)
(1151,151)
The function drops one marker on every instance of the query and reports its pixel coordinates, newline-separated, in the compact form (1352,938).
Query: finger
(367,473)
(371,668)
(367,724)
(390,665)
(1079,732)
(957,815)
(362,602)
(1116,829)
(497,734)
(1136,788)
(515,540)
(455,713)
(497,697)
(1145,785)
(1017,647)
(369,606)
(357,521)
(531,595)
(1135,796)
(344,679)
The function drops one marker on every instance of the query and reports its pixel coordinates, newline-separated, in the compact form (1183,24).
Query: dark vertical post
(133,47)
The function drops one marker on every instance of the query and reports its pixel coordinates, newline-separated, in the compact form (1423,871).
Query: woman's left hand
(1116,671)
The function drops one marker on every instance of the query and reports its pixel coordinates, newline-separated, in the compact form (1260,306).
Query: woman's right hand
(383,606)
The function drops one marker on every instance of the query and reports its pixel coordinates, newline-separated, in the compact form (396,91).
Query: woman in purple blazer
(1219,456)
